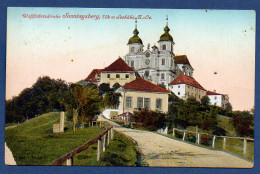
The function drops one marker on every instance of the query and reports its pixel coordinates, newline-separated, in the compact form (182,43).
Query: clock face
(147,61)
(147,54)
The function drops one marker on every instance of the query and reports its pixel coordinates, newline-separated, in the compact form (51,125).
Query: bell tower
(166,42)
(135,43)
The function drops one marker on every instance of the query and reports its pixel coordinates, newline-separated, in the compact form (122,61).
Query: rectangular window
(140,102)
(163,61)
(117,76)
(146,102)
(179,86)
(158,103)
(108,76)
(126,76)
(179,93)
(127,62)
(128,102)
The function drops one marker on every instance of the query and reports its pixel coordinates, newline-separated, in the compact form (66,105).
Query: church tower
(135,47)
(166,42)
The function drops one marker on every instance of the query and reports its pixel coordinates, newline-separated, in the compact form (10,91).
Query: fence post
(198,138)
(92,123)
(104,143)
(245,146)
(173,132)
(99,152)
(213,142)
(108,137)
(112,134)
(184,134)
(69,162)
(196,134)
(224,143)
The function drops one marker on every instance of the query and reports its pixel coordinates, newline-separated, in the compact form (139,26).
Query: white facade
(178,90)
(185,91)
(215,100)
(219,100)
(155,65)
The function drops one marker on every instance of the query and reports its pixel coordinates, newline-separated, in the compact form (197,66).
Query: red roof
(140,84)
(183,79)
(92,76)
(212,93)
(118,66)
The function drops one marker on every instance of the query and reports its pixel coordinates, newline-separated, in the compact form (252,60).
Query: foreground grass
(33,143)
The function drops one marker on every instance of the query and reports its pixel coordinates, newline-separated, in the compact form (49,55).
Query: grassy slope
(33,143)
(224,123)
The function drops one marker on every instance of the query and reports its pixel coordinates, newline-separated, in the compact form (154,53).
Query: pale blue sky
(213,40)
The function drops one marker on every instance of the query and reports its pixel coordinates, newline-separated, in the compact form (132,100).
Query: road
(9,159)
(161,151)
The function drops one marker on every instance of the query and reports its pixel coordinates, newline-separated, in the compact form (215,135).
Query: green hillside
(33,143)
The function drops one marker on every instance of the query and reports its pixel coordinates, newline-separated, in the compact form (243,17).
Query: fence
(102,140)
(198,138)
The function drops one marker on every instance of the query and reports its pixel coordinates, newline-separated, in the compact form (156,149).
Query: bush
(178,134)
(191,137)
(219,131)
(205,139)
(151,120)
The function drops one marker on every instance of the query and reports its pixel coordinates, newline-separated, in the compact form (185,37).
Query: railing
(198,137)
(102,140)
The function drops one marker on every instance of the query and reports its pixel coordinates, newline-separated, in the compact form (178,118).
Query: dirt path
(9,159)
(161,151)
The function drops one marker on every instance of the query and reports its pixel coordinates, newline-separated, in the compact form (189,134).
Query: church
(159,64)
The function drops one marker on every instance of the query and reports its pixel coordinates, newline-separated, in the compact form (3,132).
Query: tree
(104,87)
(175,99)
(229,107)
(44,96)
(111,99)
(205,101)
(243,123)
(85,103)
(116,86)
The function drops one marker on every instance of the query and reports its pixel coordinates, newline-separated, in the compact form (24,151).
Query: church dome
(135,38)
(166,35)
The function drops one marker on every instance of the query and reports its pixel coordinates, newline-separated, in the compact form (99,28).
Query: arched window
(162,76)
(132,64)
(164,47)
(132,49)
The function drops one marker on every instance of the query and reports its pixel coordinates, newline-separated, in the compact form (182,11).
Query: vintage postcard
(130,87)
